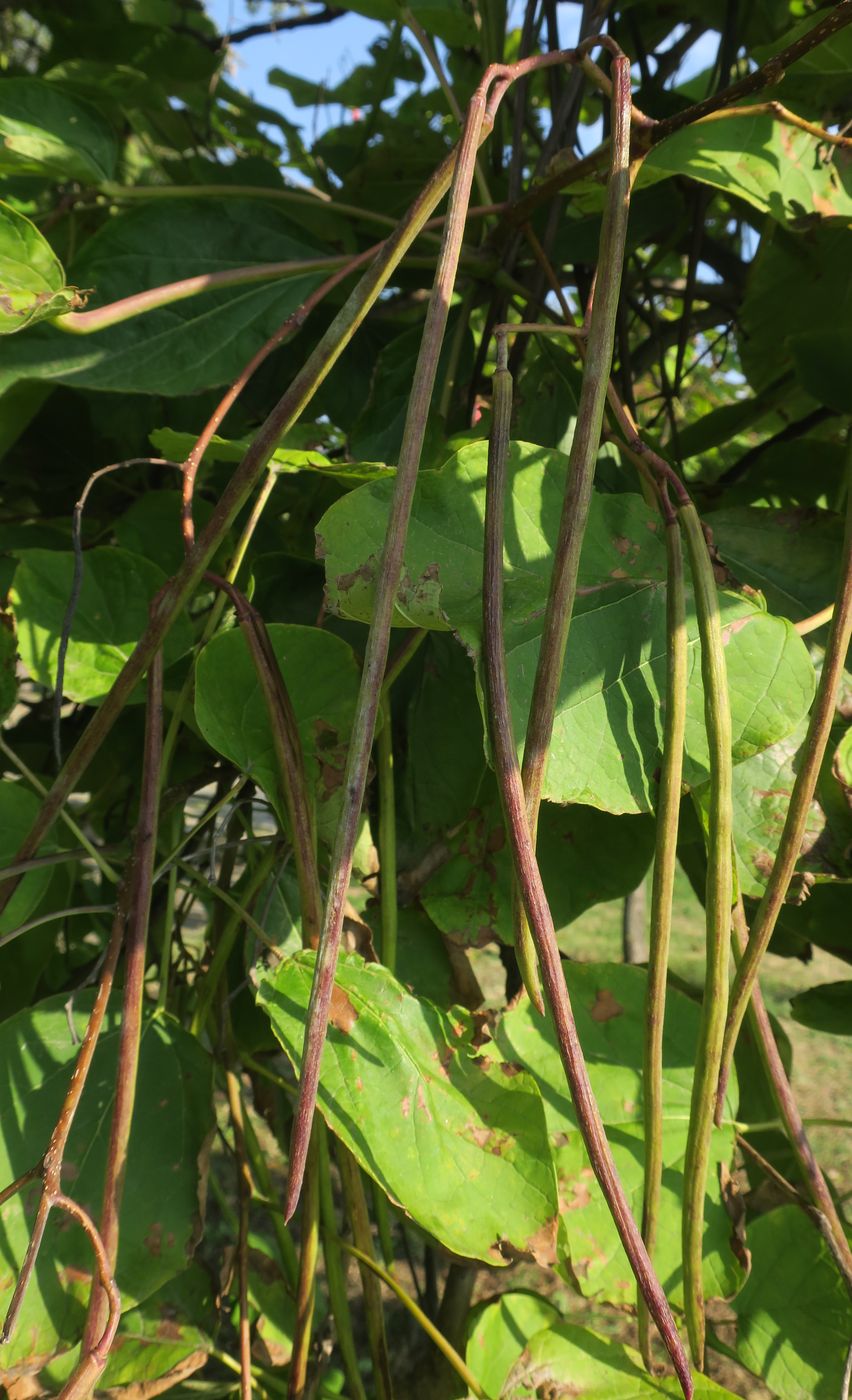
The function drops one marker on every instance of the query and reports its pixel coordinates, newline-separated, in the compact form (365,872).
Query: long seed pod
(501,420)
(538,913)
(375,657)
(718,901)
(359,1219)
(582,460)
(665,852)
(306,1288)
(810,762)
(335,1275)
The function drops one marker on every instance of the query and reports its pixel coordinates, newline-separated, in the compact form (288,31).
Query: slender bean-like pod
(306,1288)
(718,901)
(665,855)
(335,1275)
(788,1110)
(809,763)
(501,421)
(136,945)
(359,1219)
(505,759)
(581,468)
(375,656)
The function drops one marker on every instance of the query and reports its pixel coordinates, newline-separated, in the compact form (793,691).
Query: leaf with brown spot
(463,1152)
(588,1245)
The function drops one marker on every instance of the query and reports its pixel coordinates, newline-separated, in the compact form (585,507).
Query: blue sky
(326,53)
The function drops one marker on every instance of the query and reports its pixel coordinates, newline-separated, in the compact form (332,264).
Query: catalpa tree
(422,522)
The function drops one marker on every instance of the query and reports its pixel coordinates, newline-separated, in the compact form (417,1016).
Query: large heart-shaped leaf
(794,1314)
(779,169)
(609,1006)
(567,1359)
(607,732)
(32,282)
(44,130)
(797,284)
(586,857)
(159,1217)
(498,1333)
(192,344)
(457,1139)
(322,679)
(792,556)
(112,613)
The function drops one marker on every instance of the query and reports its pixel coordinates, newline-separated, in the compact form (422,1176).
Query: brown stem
(375,656)
(513,798)
(582,460)
(809,763)
(767,75)
(94,1356)
(145,845)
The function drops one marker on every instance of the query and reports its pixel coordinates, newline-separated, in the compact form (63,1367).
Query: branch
(767,75)
(256,31)
(718,900)
(513,798)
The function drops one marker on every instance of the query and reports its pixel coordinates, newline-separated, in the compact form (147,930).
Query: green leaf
(566,1358)
(19,808)
(152,527)
(825,1008)
(797,284)
(32,281)
(287,461)
(609,1007)
(159,1218)
(822,358)
(43,130)
(586,857)
(167,1335)
(322,679)
(111,615)
(777,168)
(498,1333)
(794,1315)
(194,344)
(456,1139)
(607,733)
(444,763)
(792,556)
(762,789)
